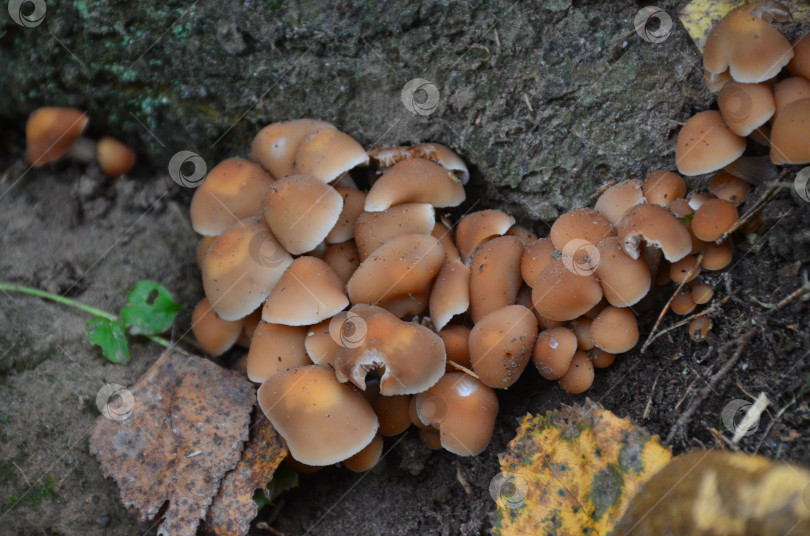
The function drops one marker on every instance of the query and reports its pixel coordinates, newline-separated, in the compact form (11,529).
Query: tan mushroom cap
(702,293)
(553,352)
(527,236)
(713,219)
(233,190)
(114,157)
(214,335)
(275,145)
(477,227)
(251,322)
(276,347)
(716,82)
(410,356)
(414,304)
(443,234)
(657,226)
(561,294)
(615,330)
(367,458)
(501,345)
(745,107)
(680,208)
(322,420)
(373,229)
(392,412)
(663,187)
(495,275)
(749,47)
(624,280)
(443,156)
(308,292)
(696,199)
(327,154)
(321,347)
(800,64)
(790,135)
(618,198)
(457,346)
(537,256)
(790,90)
(600,358)
(730,188)
(451,293)
(301,211)
(699,328)
(343,258)
(579,224)
(706,144)
(202,249)
(242,267)
(415,181)
(716,257)
(682,303)
(404,265)
(678,270)
(51,131)
(579,376)
(464,410)
(582,330)
(353,202)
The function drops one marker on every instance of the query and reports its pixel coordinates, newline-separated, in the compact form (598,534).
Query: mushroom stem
(8,287)
(83,150)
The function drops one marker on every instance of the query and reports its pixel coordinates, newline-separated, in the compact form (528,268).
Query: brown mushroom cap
(51,131)
(790,136)
(537,256)
(392,412)
(699,328)
(353,202)
(663,187)
(413,304)
(415,181)
(615,201)
(373,229)
(343,258)
(678,270)
(561,294)
(579,224)
(301,211)
(582,329)
(495,275)
(553,352)
(457,346)
(682,303)
(242,267)
(624,280)
(412,356)
(527,236)
(276,347)
(322,420)
(404,265)
(615,330)
(202,249)
(275,145)
(714,218)
(501,345)
(232,191)
(443,156)
(308,292)
(742,42)
(464,410)
(327,154)
(800,64)
(706,144)
(790,90)
(579,376)
(657,226)
(477,227)
(114,157)
(716,256)
(214,335)
(600,358)
(702,293)
(367,458)
(321,347)
(445,237)
(726,186)
(745,107)
(680,208)
(451,293)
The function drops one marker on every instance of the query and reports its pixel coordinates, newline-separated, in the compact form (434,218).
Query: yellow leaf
(573,471)
(700,16)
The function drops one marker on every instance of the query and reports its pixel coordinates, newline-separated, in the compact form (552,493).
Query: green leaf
(686,219)
(283,479)
(110,336)
(150,309)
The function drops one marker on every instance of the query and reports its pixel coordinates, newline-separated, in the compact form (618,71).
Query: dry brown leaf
(234,508)
(188,421)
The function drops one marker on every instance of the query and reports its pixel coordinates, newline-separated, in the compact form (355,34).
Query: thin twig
(690,318)
(764,200)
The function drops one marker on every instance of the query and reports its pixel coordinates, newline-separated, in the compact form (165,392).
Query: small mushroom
(275,145)
(445,237)
(624,280)
(443,156)
(790,137)
(553,352)
(663,187)
(582,329)
(114,157)
(321,347)
(501,345)
(353,202)
(214,335)
(657,226)
(202,249)
(702,293)
(476,228)
(579,376)
(713,219)
(682,303)
(276,347)
(451,293)
(562,294)
(495,275)
(415,181)
(730,188)
(706,144)
(699,328)
(327,154)
(373,229)
(527,236)
(392,412)
(301,211)
(537,256)
(615,330)
(322,420)
(579,224)
(464,411)
(233,190)
(343,258)
(367,458)
(800,64)
(600,358)
(457,346)
(790,90)
(51,131)
(308,292)
(716,256)
(617,199)
(745,107)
